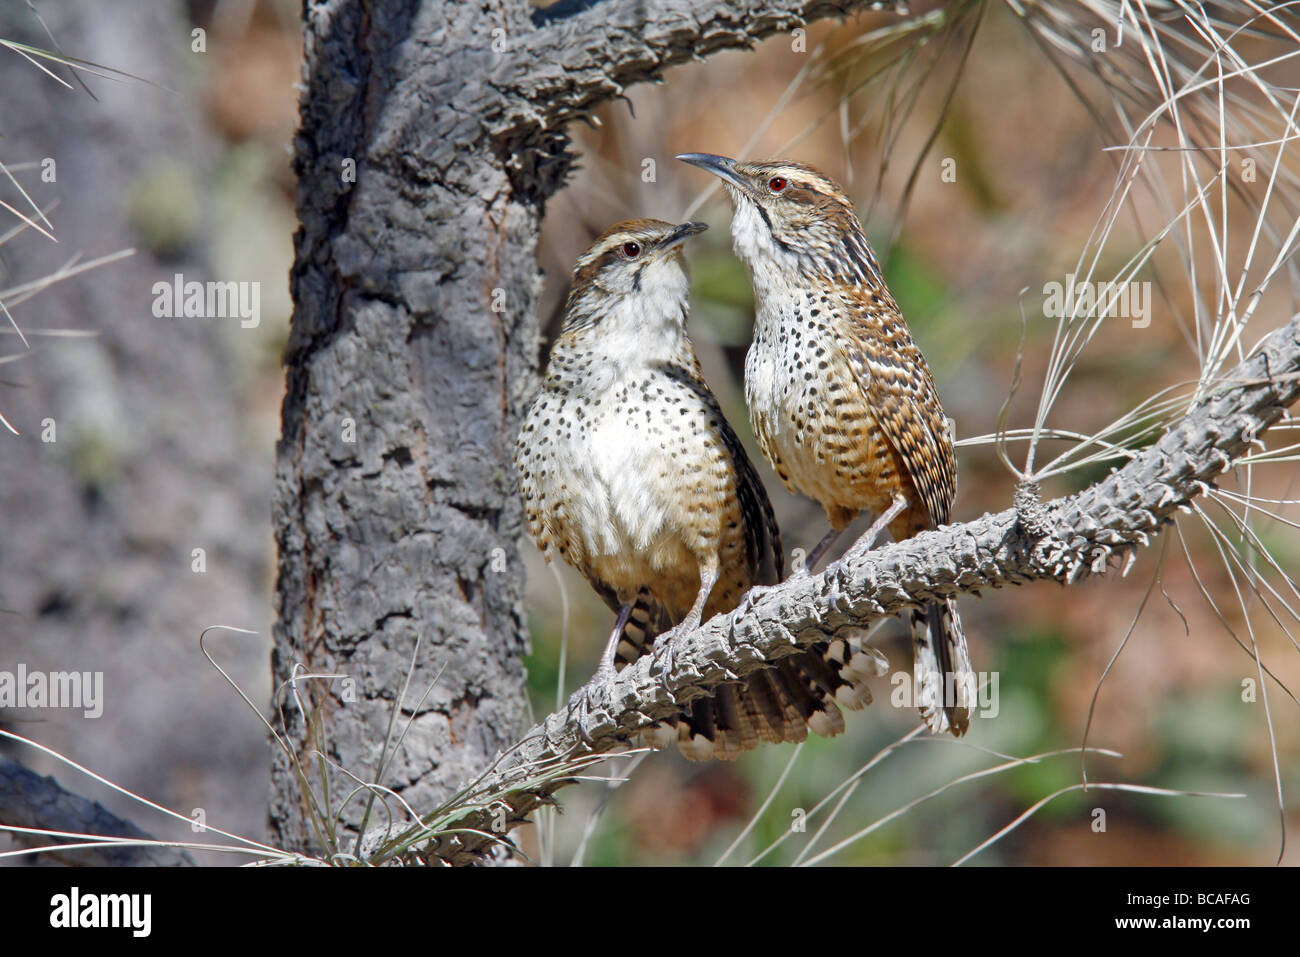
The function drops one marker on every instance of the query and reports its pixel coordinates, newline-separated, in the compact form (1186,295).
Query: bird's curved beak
(680,234)
(722,167)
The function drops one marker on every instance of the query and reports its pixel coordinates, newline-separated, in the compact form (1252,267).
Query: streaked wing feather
(892,373)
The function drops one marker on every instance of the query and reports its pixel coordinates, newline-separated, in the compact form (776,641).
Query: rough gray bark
(29,800)
(1065,540)
(415,289)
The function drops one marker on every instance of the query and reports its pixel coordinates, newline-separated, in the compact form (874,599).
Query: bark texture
(415,289)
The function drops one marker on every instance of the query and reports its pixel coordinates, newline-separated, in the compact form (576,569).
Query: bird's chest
(600,471)
(810,414)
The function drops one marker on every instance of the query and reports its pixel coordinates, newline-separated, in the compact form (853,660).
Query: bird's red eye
(631,250)
(777,183)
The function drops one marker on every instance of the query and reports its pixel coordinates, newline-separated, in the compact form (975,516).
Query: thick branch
(554,70)
(1065,540)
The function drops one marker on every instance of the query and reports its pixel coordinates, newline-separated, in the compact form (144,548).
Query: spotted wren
(840,397)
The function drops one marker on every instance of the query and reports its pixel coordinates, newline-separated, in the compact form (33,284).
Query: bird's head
(633,272)
(791,217)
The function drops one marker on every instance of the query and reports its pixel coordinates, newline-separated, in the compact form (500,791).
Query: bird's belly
(815,427)
(637,501)
(611,508)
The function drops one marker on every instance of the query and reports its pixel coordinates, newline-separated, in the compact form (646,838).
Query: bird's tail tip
(944,680)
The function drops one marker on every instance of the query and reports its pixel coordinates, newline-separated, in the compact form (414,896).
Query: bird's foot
(868,538)
(578,713)
(835,578)
(758,591)
(745,607)
(663,656)
(837,572)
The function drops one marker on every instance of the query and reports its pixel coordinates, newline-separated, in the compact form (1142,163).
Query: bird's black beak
(722,167)
(680,234)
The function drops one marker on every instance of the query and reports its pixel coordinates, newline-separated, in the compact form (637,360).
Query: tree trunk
(412,350)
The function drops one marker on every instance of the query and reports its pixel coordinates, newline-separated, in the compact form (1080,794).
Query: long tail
(942,673)
(802,692)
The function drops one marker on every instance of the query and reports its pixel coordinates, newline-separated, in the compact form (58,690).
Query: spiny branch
(554,78)
(1065,540)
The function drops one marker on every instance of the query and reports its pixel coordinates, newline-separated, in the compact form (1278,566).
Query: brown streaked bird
(630,472)
(841,399)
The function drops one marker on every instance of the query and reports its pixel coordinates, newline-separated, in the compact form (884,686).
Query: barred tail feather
(647,620)
(780,704)
(944,680)
(802,692)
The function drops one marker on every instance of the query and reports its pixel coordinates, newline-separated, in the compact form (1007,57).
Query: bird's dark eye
(631,250)
(777,183)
